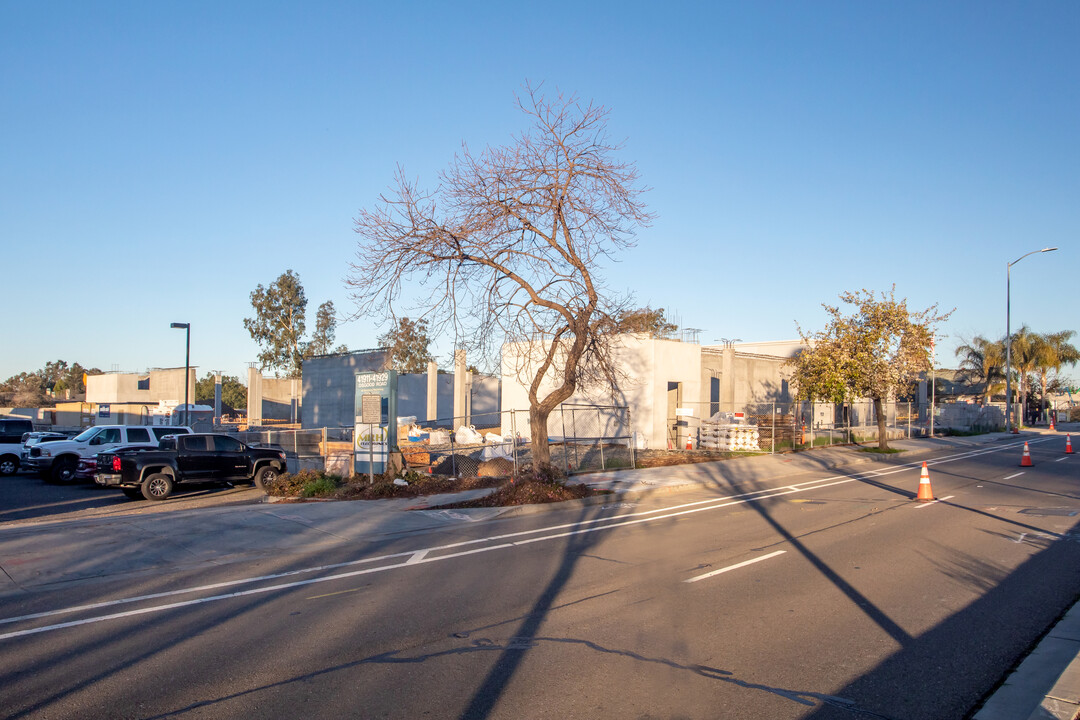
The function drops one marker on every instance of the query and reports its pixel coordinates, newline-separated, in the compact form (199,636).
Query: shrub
(319,487)
(305,483)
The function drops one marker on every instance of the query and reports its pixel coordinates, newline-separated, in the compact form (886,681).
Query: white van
(58,461)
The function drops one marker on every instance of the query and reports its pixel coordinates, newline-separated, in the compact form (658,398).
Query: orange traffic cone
(1026,460)
(1052,428)
(1068,444)
(689,445)
(926,493)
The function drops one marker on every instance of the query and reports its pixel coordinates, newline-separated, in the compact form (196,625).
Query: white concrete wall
(647,365)
(166,384)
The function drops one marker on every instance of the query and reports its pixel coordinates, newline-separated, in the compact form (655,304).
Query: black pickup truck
(194,458)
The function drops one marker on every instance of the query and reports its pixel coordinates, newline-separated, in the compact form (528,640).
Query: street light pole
(1008,338)
(187,368)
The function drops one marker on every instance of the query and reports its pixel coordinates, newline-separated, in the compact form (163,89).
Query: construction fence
(581,438)
(587,438)
(773,427)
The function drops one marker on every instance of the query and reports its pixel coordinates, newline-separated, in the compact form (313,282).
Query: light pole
(1008,337)
(187,367)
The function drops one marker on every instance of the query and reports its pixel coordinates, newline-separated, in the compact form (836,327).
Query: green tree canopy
(874,352)
(645,320)
(982,362)
(32,389)
(233,392)
(408,342)
(322,340)
(1052,351)
(280,322)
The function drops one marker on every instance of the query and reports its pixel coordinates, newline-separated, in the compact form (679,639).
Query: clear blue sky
(160,159)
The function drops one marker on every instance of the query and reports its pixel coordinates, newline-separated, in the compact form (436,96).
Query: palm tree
(982,362)
(1024,361)
(1051,352)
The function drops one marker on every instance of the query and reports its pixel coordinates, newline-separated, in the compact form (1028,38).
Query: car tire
(132,493)
(63,471)
(265,477)
(9,464)
(158,486)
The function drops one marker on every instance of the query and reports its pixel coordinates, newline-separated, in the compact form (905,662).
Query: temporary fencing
(581,438)
(770,427)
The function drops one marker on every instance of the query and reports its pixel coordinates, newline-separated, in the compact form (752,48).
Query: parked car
(199,457)
(87,466)
(59,461)
(11,432)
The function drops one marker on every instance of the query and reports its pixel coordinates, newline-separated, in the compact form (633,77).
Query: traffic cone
(926,493)
(1016,430)
(1068,444)
(689,444)
(1026,460)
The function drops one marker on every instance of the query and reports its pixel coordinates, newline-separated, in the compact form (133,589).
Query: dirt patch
(663,458)
(530,492)
(417,485)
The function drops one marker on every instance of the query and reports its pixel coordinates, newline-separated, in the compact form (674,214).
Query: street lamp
(187,367)
(1008,338)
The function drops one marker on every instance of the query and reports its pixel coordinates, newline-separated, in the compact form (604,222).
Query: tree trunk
(541,451)
(882,432)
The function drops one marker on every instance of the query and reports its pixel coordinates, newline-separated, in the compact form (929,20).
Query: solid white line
(1064,457)
(934,501)
(735,566)
(1015,475)
(421,556)
(200,588)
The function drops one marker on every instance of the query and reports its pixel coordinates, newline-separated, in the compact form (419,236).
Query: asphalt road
(802,595)
(25,497)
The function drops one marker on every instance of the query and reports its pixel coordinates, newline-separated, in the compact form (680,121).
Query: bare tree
(508,247)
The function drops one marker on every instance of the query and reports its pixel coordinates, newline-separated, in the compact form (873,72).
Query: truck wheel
(63,470)
(157,487)
(8,465)
(265,478)
(132,493)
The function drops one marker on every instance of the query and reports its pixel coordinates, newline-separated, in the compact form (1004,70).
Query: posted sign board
(375,431)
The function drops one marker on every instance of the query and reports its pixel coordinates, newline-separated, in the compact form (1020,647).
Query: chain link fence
(771,427)
(585,438)
(581,438)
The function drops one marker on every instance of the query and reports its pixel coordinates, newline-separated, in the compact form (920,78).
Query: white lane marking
(1021,538)
(697,506)
(1064,457)
(416,557)
(735,566)
(935,501)
(1014,475)
(381,568)
(201,588)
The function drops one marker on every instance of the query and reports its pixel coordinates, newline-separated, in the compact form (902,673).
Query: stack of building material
(727,437)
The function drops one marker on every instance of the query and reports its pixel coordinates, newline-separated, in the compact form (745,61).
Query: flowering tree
(507,250)
(879,349)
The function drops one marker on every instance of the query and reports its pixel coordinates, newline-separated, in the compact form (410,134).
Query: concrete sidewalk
(49,554)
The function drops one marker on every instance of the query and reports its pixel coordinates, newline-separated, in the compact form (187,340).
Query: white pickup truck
(58,461)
